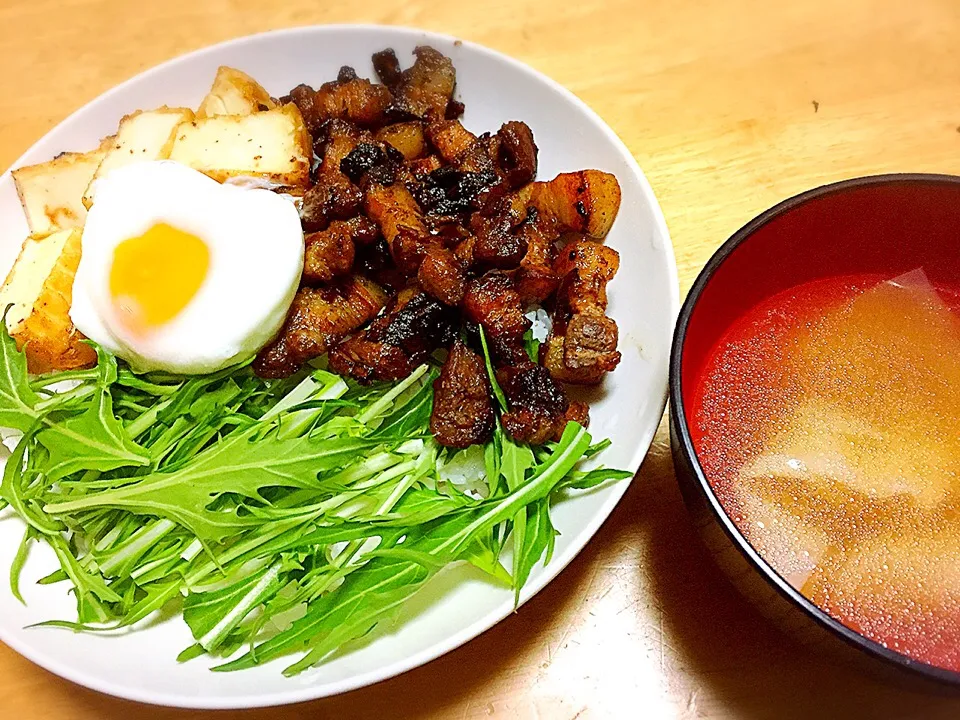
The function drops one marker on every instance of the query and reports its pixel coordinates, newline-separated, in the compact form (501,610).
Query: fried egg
(181,273)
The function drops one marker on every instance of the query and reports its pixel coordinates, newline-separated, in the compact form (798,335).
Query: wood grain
(729,106)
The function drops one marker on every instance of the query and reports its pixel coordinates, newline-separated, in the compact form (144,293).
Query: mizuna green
(290,516)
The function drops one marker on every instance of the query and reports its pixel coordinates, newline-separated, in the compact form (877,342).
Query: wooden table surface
(729,106)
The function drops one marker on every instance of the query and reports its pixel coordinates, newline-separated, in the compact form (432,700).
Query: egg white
(256,259)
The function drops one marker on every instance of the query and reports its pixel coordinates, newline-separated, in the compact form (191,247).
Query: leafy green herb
(497,392)
(17,399)
(18,562)
(240,464)
(531,345)
(284,516)
(597,448)
(515,460)
(213,615)
(592,478)
(94,439)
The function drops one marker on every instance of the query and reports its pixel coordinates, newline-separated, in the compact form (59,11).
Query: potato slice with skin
(142,135)
(270,148)
(39,290)
(234,93)
(51,193)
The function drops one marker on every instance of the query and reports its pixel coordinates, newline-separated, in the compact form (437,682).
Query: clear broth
(827,422)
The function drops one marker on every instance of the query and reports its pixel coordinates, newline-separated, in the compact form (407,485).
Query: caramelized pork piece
(368,360)
(448,191)
(371,162)
(584,351)
(387,67)
(421,167)
(581,202)
(414,249)
(363,230)
(516,154)
(582,345)
(346,98)
(318,318)
(397,341)
(408,138)
(463,251)
(586,201)
(536,280)
(424,89)
(450,138)
(511,154)
(538,407)
(455,109)
(480,170)
(330,253)
(442,276)
(303,97)
(393,208)
(375,262)
(492,303)
(338,140)
(334,196)
(330,199)
(448,230)
(585,268)
(357,100)
(462,409)
(480,157)
(497,246)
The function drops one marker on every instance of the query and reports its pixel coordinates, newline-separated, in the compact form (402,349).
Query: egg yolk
(154,276)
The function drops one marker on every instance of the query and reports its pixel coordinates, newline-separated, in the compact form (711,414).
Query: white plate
(459,605)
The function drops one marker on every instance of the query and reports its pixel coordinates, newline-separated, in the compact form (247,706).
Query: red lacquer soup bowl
(881,226)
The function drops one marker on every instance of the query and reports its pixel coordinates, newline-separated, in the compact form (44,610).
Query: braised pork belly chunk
(397,341)
(462,405)
(318,318)
(538,406)
(582,345)
(425,241)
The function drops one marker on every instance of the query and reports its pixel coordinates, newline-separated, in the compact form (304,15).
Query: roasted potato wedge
(51,193)
(39,289)
(143,135)
(272,146)
(234,93)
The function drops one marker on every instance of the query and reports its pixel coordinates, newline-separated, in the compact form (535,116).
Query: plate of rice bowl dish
(324,350)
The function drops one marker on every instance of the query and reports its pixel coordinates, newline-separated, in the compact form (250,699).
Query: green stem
(143,423)
(420,468)
(571,448)
(126,378)
(254,597)
(47,380)
(383,403)
(136,545)
(78,393)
